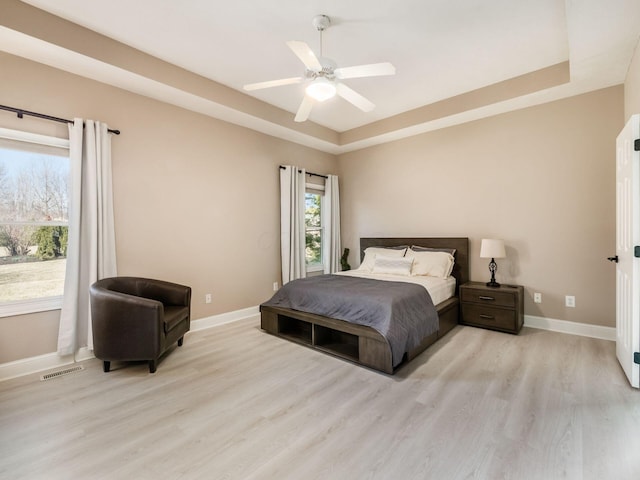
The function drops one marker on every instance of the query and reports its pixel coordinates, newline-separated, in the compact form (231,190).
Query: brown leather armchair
(137,318)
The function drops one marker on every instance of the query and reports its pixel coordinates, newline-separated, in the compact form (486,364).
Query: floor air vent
(60,373)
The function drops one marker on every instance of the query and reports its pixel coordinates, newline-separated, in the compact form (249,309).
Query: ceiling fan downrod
(321,23)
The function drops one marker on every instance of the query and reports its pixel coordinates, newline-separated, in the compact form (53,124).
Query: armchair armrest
(126,323)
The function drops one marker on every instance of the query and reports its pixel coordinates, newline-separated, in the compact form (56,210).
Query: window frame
(42,304)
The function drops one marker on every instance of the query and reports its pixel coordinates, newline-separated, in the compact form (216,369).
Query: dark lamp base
(493,266)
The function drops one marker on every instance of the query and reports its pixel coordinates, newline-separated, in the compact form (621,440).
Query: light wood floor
(237,403)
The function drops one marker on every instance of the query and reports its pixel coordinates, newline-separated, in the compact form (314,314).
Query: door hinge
(636,145)
(636,357)
(636,251)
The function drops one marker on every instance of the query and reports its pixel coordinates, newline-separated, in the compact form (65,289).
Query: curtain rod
(21,113)
(308,173)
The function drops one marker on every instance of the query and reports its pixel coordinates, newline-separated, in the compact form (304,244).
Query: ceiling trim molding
(39,36)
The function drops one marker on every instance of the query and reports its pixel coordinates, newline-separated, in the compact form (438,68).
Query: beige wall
(25,336)
(196,199)
(541,178)
(632,86)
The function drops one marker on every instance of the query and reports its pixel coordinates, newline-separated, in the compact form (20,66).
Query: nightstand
(500,308)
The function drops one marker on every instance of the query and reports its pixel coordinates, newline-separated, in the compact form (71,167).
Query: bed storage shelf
(294,329)
(334,341)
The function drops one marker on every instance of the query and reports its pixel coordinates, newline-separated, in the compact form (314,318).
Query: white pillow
(370,256)
(392,265)
(432,264)
(417,248)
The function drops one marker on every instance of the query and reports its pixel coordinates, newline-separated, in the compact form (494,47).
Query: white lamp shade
(321,89)
(492,248)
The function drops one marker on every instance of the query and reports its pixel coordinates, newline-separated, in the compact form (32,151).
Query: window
(34,218)
(313,227)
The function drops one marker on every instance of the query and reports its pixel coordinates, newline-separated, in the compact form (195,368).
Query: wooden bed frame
(359,343)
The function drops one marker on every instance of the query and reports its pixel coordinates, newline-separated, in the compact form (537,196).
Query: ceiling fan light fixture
(321,89)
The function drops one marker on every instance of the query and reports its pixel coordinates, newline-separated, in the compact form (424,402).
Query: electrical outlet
(207,298)
(275,286)
(570,301)
(537,297)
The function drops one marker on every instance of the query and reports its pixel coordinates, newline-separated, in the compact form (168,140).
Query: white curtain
(292,228)
(91,251)
(331,222)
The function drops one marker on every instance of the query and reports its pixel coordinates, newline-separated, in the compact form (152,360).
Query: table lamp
(492,249)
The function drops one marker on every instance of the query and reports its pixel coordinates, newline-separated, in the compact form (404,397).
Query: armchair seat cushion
(173,316)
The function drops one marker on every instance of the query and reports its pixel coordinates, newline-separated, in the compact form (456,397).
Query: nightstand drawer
(489,317)
(494,298)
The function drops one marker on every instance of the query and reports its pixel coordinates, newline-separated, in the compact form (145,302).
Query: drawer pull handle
(488,317)
(482,297)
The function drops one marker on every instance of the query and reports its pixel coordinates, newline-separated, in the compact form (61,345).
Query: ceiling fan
(322,75)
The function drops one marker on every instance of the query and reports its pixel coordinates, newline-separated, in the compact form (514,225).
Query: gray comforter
(402,312)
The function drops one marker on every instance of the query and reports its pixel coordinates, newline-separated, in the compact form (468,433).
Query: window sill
(23,307)
(315,268)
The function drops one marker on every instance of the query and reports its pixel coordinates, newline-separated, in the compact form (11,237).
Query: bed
(360,343)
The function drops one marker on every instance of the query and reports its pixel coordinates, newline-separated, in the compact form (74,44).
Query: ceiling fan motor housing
(328,68)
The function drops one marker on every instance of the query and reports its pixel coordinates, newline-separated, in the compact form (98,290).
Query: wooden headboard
(461,244)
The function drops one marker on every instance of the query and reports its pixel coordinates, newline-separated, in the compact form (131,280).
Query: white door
(627,237)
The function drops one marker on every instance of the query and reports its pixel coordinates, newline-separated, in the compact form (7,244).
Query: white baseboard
(221,319)
(50,361)
(26,366)
(573,328)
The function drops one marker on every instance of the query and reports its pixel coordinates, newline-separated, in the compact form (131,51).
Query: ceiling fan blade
(272,83)
(304,110)
(370,70)
(305,54)
(354,97)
